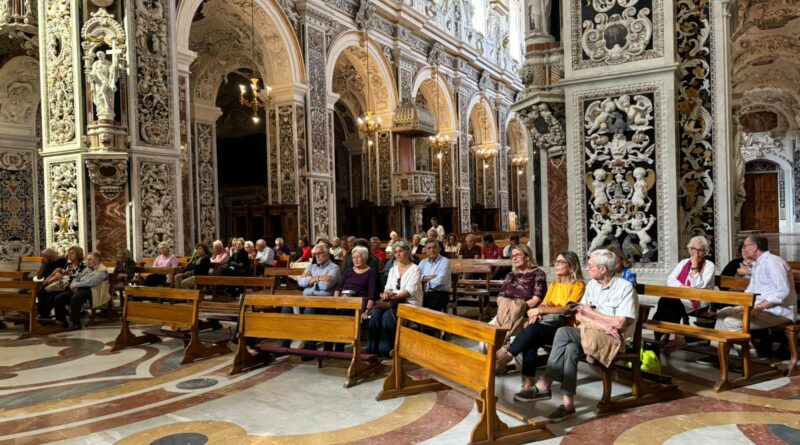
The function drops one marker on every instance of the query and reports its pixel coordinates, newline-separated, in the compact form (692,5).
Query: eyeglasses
(590,266)
(559,262)
(695,249)
(518,255)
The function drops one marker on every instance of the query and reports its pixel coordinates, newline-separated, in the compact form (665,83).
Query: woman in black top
(239,264)
(200,265)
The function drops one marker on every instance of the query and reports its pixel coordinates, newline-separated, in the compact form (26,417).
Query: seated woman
(164,259)
(545,321)
(200,265)
(239,264)
(694,272)
(359,280)
(513,240)
(219,257)
(403,286)
(523,288)
(281,249)
(336,250)
(392,238)
(451,245)
(624,264)
(303,253)
(124,271)
(416,247)
(90,286)
(60,281)
(738,267)
(250,248)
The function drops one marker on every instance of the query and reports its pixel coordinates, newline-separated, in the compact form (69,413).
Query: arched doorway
(517,172)
(483,150)
(761,208)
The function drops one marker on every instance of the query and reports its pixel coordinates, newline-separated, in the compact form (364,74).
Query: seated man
(433,235)
(610,305)
(776,298)
(438,228)
(319,279)
(91,286)
(265,257)
(435,270)
(470,250)
(51,262)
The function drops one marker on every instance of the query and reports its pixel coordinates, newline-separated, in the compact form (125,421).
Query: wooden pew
(460,368)
(142,271)
(229,309)
(478,291)
(794,265)
(13,301)
(15,275)
(30,264)
(725,339)
(181,313)
(316,327)
(283,274)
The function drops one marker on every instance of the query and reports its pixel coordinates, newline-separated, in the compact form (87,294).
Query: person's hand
(337,293)
(742,271)
(612,331)
(73,286)
(365,315)
(757,309)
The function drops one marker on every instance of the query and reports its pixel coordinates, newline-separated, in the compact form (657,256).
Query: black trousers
(528,342)
(436,300)
(671,310)
(155,279)
(73,299)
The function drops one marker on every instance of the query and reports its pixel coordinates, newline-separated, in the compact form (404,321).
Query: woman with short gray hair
(359,280)
(164,259)
(694,272)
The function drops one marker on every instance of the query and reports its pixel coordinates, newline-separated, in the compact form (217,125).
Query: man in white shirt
(264,256)
(609,303)
(438,228)
(776,298)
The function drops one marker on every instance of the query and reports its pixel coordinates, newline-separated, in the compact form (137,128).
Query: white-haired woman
(164,259)
(694,272)
(219,257)
(393,237)
(359,280)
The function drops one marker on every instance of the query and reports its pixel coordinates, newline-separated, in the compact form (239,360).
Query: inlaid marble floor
(69,389)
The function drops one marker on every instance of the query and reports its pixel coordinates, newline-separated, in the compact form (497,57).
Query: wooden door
(760,210)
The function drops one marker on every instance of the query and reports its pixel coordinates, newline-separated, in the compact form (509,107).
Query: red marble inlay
(110,224)
(557,208)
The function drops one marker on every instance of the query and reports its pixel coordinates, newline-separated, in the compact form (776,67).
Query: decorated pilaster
(204,148)
(187,148)
(463,93)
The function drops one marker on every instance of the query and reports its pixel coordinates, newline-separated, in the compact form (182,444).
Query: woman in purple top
(524,288)
(360,280)
(165,259)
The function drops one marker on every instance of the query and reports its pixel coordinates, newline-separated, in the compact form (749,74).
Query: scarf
(683,277)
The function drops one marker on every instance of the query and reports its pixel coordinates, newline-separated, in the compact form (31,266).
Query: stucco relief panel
(63,196)
(320,156)
(206,185)
(17,215)
(288,173)
(157,182)
(59,68)
(154,100)
(621,171)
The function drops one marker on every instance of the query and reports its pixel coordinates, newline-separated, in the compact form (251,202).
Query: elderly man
(319,279)
(776,298)
(607,313)
(91,286)
(265,257)
(470,250)
(435,270)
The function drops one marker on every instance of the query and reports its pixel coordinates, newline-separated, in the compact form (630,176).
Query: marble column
(502,164)
(204,143)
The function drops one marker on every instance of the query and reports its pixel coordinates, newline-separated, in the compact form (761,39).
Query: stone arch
(478,107)
(516,134)
(447,111)
(382,84)
(281,63)
(19,96)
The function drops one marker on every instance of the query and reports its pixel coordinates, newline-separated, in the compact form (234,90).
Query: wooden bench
(283,274)
(143,271)
(13,301)
(30,264)
(478,288)
(180,313)
(465,370)
(15,275)
(308,327)
(206,282)
(724,339)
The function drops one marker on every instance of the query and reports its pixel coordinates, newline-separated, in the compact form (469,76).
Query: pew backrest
(30,263)
(738,284)
(181,313)
(12,300)
(15,275)
(743,299)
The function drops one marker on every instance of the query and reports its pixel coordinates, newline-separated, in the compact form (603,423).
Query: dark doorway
(760,209)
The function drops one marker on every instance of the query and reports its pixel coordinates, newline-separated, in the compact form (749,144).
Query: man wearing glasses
(319,279)
(776,297)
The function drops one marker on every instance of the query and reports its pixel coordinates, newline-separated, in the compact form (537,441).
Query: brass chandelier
(369,123)
(485,151)
(439,142)
(520,162)
(259,97)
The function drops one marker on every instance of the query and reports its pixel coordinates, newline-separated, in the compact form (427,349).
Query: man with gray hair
(607,313)
(265,257)
(91,286)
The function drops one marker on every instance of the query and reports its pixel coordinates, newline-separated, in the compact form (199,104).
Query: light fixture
(439,142)
(369,124)
(259,97)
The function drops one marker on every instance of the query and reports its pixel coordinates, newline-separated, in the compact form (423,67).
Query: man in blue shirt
(435,270)
(319,279)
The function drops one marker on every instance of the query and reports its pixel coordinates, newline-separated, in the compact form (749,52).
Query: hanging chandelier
(369,123)
(485,151)
(258,97)
(439,142)
(520,162)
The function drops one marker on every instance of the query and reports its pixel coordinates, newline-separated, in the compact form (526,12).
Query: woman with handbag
(200,265)
(545,320)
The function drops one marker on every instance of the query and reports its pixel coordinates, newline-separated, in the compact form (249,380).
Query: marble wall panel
(557,207)
(110,229)
(17,216)
(796,182)
(385,176)
(286,147)
(186,163)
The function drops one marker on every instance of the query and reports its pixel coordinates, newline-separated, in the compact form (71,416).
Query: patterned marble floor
(70,389)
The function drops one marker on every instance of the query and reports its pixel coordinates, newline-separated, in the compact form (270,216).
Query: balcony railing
(18,21)
(414,187)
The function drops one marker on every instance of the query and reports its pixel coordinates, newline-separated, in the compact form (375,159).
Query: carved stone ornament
(364,15)
(618,38)
(485,81)
(152,72)
(63,195)
(110,174)
(436,55)
(17,231)
(19,92)
(58,61)
(104,54)
(759,145)
(157,194)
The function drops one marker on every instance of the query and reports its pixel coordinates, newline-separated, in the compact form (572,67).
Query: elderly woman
(694,272)
(393,237)
(336,250)
(403,286)
(375,247)
(523,288)
(250,248)
(624,264)
(451,245)
(200,265)
(239,263)
(61,280)
(416,246)
(544,320)
(124,271)
(164,259)
(219,257)
(359,280)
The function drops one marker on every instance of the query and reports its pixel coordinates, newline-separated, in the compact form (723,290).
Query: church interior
(399,221)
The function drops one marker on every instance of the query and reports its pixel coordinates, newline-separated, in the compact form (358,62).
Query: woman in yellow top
(545,320)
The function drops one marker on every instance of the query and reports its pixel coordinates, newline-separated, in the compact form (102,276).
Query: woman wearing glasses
(524,288)
(695,272)
(545,320)
(404,285)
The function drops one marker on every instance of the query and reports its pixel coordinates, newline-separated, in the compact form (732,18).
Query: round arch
(347,44)
(447,114)
(477,106)
(519,132)
(281,26)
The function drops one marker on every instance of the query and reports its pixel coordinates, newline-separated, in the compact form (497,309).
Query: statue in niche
(539,17)
(639,226)
(103,81)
